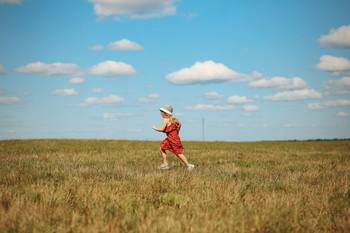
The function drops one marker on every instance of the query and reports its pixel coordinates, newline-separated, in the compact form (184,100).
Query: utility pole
(203,129)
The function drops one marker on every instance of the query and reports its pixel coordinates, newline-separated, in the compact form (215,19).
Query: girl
(171,126)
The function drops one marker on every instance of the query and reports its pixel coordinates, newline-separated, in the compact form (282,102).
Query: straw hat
(167,109)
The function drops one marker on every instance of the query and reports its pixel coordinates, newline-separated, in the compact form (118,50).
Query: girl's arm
(178,127)
(161,129)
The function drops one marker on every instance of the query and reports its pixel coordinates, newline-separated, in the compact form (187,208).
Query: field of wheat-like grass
(115,186)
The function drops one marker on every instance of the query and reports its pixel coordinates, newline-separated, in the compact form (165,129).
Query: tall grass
(115,186)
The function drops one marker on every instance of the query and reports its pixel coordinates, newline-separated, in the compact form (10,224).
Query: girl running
(171,126)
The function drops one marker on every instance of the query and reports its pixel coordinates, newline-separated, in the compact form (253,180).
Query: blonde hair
(172,119)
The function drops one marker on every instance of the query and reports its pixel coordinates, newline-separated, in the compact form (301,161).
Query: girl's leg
(162,151)
(183,159)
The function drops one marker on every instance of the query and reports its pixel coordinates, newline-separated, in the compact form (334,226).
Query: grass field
(115,186)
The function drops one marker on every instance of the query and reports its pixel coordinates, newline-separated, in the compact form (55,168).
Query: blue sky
(254,70)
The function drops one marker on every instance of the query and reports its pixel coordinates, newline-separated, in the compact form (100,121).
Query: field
(115,186)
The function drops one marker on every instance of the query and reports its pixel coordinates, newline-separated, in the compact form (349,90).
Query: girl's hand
(153,127)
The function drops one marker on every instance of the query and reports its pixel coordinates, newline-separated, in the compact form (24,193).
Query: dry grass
(115,186)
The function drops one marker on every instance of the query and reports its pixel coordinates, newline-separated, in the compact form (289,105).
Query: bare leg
(164,156)
(183,159)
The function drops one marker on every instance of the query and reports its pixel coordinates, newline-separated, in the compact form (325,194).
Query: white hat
(167,109)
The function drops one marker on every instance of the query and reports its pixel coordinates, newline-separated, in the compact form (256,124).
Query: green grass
(115,186)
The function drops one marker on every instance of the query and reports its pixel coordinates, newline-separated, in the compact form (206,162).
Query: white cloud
(207,107)
(136,9)
(97,47)
(112,99)
(113,68)
(124,44)
(179,114)
(238,99)
(338,87)
(332,63)
(75,73)
(145,100)
(212,95)
(153,96)
(279,83)
(149,99)
(208,72)
(336,103)
(341,73)
(202,72)
(71,71)
(2,69)
(97,90)
(9,100)
(339,37)
(295,95)
(105,100)
(77,80)
(10,2)
(49,69)
(250,107)
(65,92)
(314,106)
(328,104)
(342,114)
(115,116)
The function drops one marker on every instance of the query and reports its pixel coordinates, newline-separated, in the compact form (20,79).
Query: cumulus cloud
(2,69)
(16,2)
(250,107)
(295,95)
(208,72)
(72,71)
(137,9)
(209,107)
(113,68)
(149,99)
(339,37)
(49,69)
(115,116)
(9,100)
(202,72)
(338,87)
(124,44)
(75,73)
(238,99)
(77,80)
(112,99)
(105,100)
(328,104)
(65,92)
(332,63)
(279,83)
(97,90)
(212,95)
(97,47)
(342,114)
(314,106)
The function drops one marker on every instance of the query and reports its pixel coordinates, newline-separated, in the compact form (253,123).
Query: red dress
(173,141)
